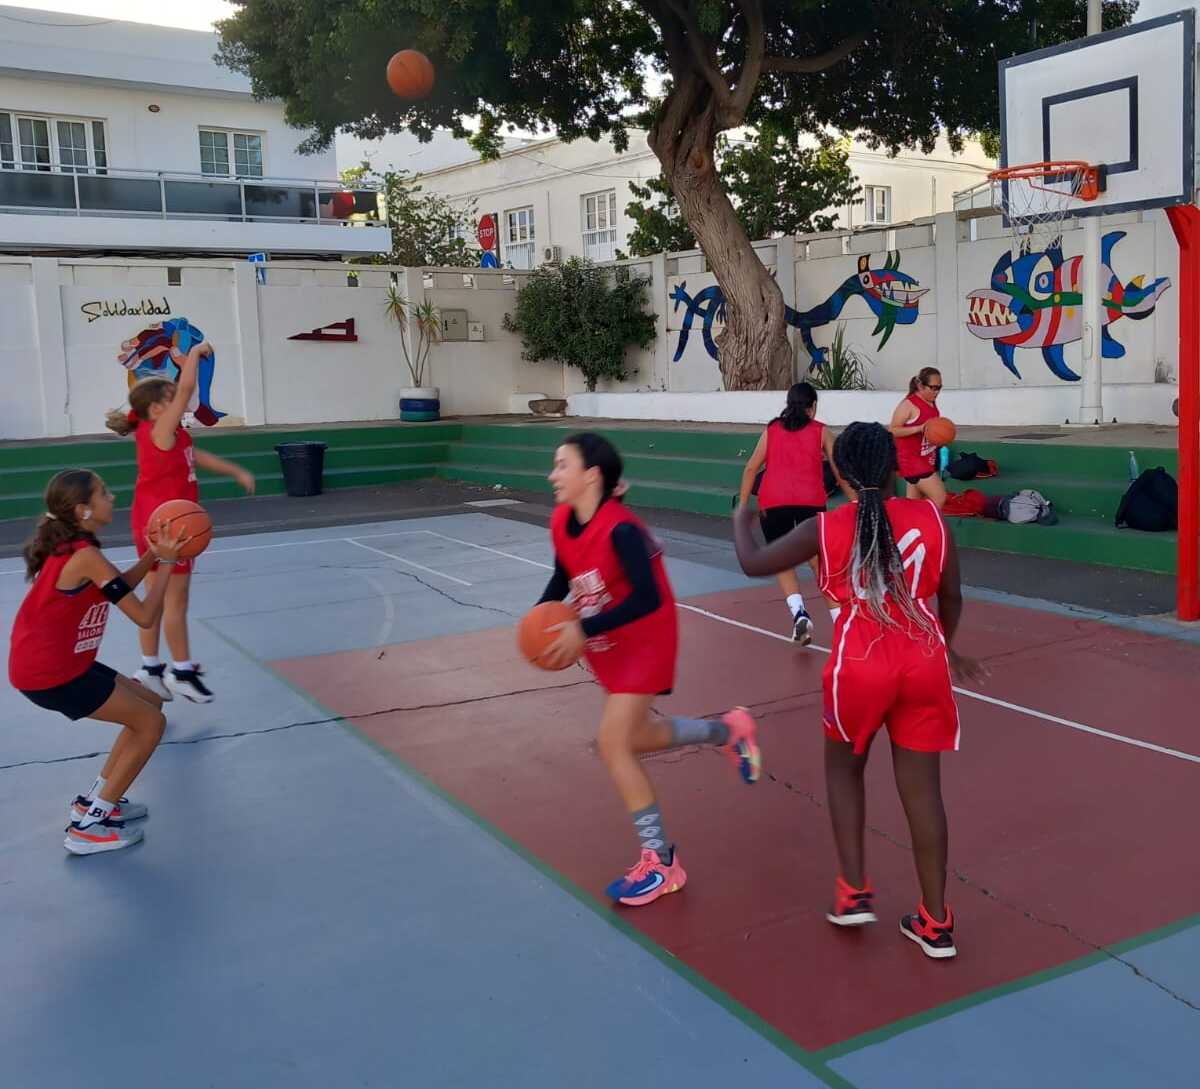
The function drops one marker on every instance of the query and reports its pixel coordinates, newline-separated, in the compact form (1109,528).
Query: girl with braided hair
(882,560)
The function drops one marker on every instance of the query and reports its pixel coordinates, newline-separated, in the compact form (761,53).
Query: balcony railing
(147,194)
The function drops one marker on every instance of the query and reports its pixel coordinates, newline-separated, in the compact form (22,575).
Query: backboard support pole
(1185,222)
(1091,402)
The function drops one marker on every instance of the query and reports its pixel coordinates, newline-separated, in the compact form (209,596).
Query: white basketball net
(1035,207)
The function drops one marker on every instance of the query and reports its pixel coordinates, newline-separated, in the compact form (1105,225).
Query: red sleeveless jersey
(915,454)
(637,657)
(920,535)
(56,634)
(794,476)
(162,474)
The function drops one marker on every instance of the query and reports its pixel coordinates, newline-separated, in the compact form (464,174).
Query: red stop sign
(486,233)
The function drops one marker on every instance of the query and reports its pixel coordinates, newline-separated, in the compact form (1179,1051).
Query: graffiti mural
(891,295)
(1035,302)
(148,354)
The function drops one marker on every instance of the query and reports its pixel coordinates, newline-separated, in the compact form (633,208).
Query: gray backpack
(1028,506)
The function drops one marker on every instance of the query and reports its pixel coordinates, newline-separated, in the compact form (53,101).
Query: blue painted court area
(306,910)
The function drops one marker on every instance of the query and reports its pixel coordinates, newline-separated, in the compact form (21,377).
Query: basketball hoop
(1037,197)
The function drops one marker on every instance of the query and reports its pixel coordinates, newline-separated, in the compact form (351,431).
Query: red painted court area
(1061,839)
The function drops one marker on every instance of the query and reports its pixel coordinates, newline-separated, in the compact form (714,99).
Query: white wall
(168,140)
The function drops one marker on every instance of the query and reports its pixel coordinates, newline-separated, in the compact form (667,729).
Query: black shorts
(918,479)
(777,522)
(79,698)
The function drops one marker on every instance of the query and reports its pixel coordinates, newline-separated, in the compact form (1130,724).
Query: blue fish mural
(148,354)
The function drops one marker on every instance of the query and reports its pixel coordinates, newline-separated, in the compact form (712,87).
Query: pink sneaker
(648,880)
(743,748)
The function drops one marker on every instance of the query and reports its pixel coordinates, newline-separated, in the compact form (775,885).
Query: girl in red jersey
(794,448)
(915,454)
(882,561)
(167,462)
(607,561)
(57,631)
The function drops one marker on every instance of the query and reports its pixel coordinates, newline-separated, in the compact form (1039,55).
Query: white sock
(97,786)
(795,602)
(99,810)
(182,667)
(150,662)
(834,612)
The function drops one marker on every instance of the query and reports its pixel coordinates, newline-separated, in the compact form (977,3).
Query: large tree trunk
(755,352)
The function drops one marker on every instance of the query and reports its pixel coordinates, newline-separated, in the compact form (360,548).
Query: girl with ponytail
(883,560)
(916,455)
(606,560)
(167,461)
(55,637)
(794,449)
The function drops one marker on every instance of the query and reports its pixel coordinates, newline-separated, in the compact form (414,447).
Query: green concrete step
(1088,462)
(714,444)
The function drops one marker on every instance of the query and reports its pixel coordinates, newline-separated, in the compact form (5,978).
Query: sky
(191,14)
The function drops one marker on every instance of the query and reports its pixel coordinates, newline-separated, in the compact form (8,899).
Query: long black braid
(865,454)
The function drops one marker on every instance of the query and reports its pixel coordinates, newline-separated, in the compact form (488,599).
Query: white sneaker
(99,837)
(151,678)
(187,683)
(123,812)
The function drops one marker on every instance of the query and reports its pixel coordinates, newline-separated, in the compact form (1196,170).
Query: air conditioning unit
(551,255)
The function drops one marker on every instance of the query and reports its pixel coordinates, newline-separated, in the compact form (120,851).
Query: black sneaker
(935,939)
(187,683)
(802,627)
(851,906)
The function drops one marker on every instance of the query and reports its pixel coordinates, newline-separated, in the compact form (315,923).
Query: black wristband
(115,589)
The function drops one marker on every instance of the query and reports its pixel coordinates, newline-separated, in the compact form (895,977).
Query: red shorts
(875,679)
(638,658)
(182,567)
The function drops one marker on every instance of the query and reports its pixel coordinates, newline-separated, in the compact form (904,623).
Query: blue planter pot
(420,405)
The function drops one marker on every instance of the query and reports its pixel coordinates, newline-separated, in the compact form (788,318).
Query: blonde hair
(147,392)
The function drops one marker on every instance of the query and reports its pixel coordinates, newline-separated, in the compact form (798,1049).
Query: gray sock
(698,731)
(648,825)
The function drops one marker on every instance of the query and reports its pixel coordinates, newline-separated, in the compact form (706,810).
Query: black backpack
(1151,502)
(967,467)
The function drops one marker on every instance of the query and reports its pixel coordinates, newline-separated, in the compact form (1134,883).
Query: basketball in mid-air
(940,431)
(410,74)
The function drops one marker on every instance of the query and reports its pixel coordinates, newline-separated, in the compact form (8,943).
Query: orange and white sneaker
(851,906)
(649,879)
(742,747)
(935,939)
(99,837)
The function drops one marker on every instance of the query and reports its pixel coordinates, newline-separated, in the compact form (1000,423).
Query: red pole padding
(1185,222)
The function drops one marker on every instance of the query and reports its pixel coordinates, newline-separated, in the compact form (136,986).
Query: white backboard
(1124,100)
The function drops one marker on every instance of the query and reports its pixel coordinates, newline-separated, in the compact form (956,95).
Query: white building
(125,137)
(554,199)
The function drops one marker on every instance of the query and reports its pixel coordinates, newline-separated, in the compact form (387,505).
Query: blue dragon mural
(149,354)
(892,296)
(1035,302)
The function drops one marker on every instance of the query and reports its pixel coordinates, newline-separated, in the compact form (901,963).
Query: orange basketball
(940,431)
(533,634)
(410,74)
(193,519)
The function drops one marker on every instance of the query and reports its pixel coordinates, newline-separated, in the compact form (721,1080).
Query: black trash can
(303,465)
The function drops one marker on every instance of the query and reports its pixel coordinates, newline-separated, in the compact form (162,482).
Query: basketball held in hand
(940,431)
(536,634)
(182,516)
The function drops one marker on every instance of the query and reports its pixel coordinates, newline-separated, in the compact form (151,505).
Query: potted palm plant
(418,403)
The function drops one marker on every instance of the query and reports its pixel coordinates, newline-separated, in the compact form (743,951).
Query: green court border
(815,1062)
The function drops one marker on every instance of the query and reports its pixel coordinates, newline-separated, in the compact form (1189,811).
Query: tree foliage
(583,316)
(427,230)
(778,187)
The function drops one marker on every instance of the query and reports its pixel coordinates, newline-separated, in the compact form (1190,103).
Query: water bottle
(1133,466)
(943,460)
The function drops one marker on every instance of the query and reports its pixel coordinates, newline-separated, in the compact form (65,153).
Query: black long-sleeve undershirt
(629,543)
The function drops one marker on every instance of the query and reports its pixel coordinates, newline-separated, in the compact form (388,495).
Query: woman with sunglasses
(915,454)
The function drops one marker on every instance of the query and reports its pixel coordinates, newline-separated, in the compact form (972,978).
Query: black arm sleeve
(115,589)
(558,586)
(643,599)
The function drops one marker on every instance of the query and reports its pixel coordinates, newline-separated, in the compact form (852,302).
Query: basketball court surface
(379,857)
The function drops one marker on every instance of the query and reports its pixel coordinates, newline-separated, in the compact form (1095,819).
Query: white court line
(1016,707)
(401,559)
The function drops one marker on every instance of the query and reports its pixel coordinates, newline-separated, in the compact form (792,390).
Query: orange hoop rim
(1089,176)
